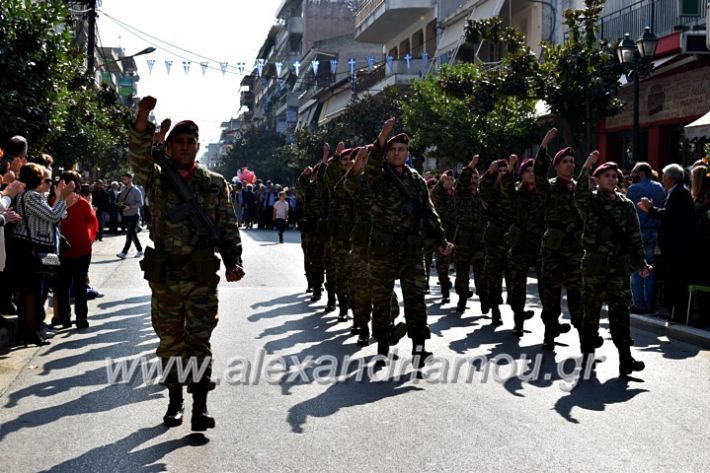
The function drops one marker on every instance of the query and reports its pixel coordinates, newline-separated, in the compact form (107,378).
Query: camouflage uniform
(183,277)
(308,193)
(499,220)
(397,247)
(340,224)
(607,263)
(444,205)
(324,234)
(525,239)
(561,248)
(469,252)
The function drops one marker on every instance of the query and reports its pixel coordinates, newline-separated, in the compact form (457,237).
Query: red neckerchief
(189,174)
(529,187)
(568,183)
(610,195)
(398,169)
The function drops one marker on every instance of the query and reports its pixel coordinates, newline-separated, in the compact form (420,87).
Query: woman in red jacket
(79,228)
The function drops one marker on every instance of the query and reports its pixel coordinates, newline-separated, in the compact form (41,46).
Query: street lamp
(630,55)
(139,53)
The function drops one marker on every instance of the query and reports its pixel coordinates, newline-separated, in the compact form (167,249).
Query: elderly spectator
(79,228)
(643,289)
(675,237)
(36,230)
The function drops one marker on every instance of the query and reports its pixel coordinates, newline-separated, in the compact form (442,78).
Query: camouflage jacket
(599,237)
(444,205)
(308,192)
(390,212)
(357,189)
(340,207)
(526,209)
(497,209)
(469,211)
(210,190)
(563,225)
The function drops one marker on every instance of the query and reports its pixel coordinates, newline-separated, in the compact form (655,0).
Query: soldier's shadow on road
(124,453)
(356,390)
(592,395)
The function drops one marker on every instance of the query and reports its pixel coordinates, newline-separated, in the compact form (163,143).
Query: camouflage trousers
(183,314)
(442,267)
(615,289)
(328,263)
(360,282)
(467,258)
(313,253)
(341,262)
(387,264)
(561,269)
(494,269)
(520,258)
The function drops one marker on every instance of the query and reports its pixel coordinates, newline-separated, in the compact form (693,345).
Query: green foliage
(257,149)
(36,62)
(580,78)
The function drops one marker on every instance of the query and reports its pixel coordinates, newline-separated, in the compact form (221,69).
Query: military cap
(525,164)
(605,167)
(400,138)
(184,127)
(568,151)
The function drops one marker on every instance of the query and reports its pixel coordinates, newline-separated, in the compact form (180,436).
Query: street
(61,414)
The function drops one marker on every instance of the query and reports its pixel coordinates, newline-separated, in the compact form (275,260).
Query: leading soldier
(308,193)
(401,211)
(182,274)
(613,249)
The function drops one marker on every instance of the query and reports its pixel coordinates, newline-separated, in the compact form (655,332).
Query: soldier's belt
(160,266)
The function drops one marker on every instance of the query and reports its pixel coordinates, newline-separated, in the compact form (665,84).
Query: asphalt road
(61,414)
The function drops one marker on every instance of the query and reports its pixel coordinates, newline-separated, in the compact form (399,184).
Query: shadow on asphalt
(592,395)
(123,454)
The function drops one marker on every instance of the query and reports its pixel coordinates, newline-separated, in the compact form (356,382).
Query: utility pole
(91,39)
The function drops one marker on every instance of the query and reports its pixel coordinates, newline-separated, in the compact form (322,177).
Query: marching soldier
(443,198)
(309,193)
(340,222)
(324,232)
(561,242)
(182,269)
(494,236)
(468,238)
(400,212)
(524,237)
(613,249)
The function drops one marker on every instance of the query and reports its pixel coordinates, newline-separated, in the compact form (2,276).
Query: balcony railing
(366,9)
(663,16)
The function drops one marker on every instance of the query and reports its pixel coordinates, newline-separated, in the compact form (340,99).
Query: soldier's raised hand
(339,149)
(387,128)
(474,161)
(360,160)
(549,136)
(592,159)
(147,104)
(512,161)
(308,171)
(447,249)
(493,168)
(326,152)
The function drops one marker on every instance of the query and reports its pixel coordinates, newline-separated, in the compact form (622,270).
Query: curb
(680,332)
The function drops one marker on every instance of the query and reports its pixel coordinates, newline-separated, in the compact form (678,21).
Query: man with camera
(130,200)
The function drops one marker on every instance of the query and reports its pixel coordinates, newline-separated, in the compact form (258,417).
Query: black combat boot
(176,406)
(310,284)
(383,349)
(485,306)
(419,354)
(355,329)
(627,364)
(201,420)
(330,305)
(363,338)
(495,315)
(317,291)
(343,303)
(397,333)
(445,286)
(461,305)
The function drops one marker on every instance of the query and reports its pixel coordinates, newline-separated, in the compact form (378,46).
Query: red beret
(431,182)
(186,126)
(401,138)
(449,172)
(525,164)
(605,167)
(568,151)
(347,152)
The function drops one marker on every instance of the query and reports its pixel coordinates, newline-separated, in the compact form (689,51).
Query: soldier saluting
(613,249)
(182,268)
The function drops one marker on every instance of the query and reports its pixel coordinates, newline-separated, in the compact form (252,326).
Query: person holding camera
(130,201)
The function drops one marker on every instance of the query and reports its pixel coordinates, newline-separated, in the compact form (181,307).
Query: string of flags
(354,65)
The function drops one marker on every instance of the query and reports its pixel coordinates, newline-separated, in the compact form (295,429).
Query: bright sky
(211,30)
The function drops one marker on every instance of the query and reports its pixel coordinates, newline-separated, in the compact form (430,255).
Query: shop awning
(335,106)
(699,128)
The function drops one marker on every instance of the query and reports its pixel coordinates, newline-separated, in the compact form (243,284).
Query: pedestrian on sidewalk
(181,269)
(130,201)
(280,215)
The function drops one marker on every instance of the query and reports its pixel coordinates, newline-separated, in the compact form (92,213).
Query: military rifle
(202,225)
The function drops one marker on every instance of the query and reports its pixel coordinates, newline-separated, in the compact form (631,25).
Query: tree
(36,61)
(257,149)
(580,78)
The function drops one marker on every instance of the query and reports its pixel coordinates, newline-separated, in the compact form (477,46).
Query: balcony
(377,21)
(295,26)
(663,16)
(396,73)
